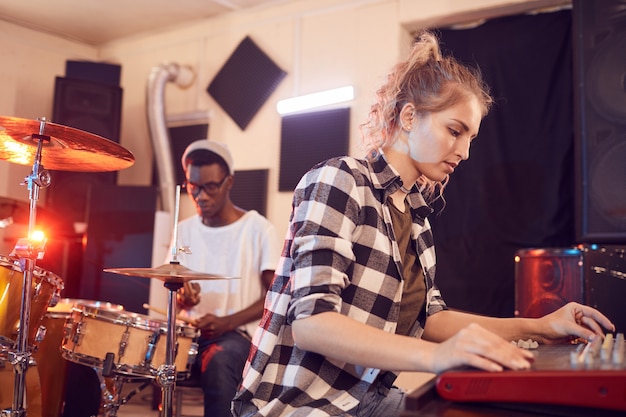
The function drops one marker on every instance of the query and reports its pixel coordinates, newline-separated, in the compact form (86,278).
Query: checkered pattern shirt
(340,255)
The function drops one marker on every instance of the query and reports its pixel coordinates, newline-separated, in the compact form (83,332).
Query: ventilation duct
(183,77)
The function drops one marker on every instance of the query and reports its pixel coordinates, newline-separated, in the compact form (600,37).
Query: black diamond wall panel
(245,82)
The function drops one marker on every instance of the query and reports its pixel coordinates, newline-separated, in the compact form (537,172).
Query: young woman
(354,295)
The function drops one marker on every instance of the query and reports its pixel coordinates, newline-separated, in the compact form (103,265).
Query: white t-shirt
(241,250)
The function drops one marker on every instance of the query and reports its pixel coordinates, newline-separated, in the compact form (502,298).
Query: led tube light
(309,101)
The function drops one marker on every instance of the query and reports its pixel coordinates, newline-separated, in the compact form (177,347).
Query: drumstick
(164,312)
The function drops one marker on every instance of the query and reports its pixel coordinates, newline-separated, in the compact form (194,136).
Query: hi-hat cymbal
(64,148)
(172,272)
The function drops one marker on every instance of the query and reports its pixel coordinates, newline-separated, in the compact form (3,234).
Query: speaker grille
(546,279)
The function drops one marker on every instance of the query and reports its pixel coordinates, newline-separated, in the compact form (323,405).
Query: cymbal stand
(27,251)
(166,373)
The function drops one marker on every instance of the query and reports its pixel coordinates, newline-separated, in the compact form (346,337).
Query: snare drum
(138,342)
(51,366)
(45,292)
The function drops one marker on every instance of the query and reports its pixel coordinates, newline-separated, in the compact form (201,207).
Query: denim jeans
(220,363)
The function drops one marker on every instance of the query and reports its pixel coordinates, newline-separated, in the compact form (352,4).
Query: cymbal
(67,149)
(172,272)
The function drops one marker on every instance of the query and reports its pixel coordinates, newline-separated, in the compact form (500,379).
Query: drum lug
(123,343)
(77,337)
(193,354)
(37,290)
(153,340)
(40,335)
(56,296)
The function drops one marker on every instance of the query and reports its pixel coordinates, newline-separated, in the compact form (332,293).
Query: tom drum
(45,292)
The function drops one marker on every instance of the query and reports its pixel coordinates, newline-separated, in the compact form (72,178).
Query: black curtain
(517,189)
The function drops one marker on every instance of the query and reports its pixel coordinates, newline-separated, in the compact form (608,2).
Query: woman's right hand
(477,347)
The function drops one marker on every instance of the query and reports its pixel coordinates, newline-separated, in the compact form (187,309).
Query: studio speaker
(547,279)
(92,107)
(599,28)
(605,281)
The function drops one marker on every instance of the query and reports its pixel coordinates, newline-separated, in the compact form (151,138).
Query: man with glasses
(224,240)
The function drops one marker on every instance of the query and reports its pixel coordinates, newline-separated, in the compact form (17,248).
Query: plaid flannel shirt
(340,255)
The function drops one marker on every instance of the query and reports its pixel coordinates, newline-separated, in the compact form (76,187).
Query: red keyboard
(586,375)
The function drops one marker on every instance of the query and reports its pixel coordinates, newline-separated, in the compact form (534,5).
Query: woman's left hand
(575,320)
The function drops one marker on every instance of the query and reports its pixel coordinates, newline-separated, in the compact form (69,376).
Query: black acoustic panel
(600,64)
(245,82)
(309,138)
(180,137)
(249,190)
(120,232)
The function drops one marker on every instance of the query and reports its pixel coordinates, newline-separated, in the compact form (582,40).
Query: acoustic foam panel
(309,138)
(250,190)
(245,82)
(180,138)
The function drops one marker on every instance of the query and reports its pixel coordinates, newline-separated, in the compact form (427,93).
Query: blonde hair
(431,82)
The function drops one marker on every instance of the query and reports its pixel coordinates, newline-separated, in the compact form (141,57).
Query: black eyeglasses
(211,188)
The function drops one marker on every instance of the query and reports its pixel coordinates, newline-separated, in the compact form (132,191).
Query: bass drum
(51,366)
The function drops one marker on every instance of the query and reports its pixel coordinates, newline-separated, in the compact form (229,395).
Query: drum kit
(41,322)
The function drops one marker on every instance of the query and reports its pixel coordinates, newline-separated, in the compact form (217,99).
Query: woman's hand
(574,320)
(478,347)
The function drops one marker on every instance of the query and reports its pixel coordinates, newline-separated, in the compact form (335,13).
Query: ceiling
(96,22)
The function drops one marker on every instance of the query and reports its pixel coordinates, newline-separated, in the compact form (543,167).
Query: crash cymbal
(64,148)
(172,272)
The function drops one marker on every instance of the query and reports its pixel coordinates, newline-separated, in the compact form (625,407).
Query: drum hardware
(111,386)
(174,276)
(61,148)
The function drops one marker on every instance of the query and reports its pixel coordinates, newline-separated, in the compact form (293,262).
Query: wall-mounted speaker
(547,279)
(605,281)
(599,71)
(95,108)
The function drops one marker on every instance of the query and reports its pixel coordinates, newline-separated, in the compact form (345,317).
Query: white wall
(321,44)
